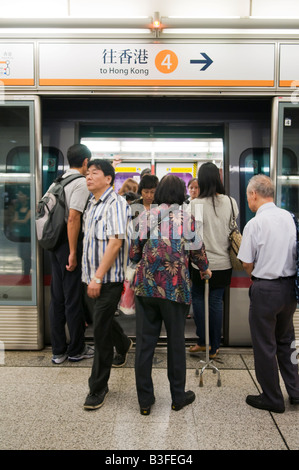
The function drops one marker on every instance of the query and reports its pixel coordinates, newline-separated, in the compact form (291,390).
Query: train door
(21,313)
(286,173)
(179,155)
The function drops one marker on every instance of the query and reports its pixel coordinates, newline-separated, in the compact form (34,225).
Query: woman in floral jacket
(166,239)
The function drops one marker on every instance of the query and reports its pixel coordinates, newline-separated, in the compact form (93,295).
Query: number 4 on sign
(166,61)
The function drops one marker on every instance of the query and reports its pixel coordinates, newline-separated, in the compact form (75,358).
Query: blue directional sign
(207,61)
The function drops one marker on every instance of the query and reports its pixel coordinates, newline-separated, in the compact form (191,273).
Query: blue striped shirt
(110,216)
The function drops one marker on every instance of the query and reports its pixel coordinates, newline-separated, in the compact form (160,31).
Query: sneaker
(59,358)
(87,353)
(189,398)
(95,400)
(120,360)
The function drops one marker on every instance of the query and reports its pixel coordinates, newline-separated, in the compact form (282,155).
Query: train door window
(287,183)
(255,161)
(53,165)
(180,156)
(17,196)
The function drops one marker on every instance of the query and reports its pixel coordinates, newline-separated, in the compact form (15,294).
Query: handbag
(235,239)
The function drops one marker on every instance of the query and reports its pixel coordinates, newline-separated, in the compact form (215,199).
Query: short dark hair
(76,155)
(148,182)
(146,171)
(105,166)
(170,190)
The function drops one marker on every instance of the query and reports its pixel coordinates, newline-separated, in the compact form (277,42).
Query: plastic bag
(130,272)
(127,300)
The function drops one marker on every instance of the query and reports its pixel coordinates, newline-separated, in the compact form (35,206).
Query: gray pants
(272,307)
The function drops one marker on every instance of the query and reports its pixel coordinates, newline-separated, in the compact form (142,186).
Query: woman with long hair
(216,213)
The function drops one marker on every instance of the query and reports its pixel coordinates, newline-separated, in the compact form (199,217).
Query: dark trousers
(272,306)
(65,306)
(150,312)
(215,315)
(107,334)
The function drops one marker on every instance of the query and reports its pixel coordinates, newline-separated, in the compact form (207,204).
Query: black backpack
(50,214)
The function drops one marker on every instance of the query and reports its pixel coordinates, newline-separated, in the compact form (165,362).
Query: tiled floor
(41,407)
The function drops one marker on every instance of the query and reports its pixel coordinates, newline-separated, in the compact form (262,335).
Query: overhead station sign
(289,65)
(16,64)
(169,65)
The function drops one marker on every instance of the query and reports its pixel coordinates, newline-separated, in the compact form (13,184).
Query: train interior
(163,133)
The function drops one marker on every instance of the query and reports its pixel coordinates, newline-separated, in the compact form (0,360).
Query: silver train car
(169,105)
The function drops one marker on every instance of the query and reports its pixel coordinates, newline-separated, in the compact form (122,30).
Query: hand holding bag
(127,300)
(130,272)
(235,239)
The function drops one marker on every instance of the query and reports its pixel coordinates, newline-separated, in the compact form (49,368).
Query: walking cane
(208,362)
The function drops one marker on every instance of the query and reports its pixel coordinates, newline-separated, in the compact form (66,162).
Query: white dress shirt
(269,242)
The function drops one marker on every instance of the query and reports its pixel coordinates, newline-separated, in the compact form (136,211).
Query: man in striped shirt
(106,225)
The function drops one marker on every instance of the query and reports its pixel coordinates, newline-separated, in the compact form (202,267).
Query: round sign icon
(166,61)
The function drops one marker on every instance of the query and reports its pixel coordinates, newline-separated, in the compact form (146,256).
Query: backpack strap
(68,179)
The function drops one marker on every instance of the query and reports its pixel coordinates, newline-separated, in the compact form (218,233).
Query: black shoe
(257,401)
(145,410)
(294,401)
(95,400)
(189,398)
(120,360)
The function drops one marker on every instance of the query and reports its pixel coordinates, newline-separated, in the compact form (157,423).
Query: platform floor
(41,408)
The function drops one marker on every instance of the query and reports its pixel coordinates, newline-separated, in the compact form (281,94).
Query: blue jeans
(215,315)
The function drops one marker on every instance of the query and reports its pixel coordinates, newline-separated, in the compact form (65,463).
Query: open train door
(285,171)
(21,313)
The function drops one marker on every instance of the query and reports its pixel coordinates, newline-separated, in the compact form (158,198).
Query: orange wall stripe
(289,83)
(17,81)
(212,83)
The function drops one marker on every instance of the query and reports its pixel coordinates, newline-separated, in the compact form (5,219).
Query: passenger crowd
(172,244)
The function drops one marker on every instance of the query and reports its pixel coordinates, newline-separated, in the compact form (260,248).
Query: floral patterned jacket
(162,249)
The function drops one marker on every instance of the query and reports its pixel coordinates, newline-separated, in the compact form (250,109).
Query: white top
(216,228)
(269,241)
(76,192)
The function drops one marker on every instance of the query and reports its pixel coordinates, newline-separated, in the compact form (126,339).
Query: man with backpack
(66,291)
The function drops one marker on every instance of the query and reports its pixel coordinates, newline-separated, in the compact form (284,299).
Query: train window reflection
(257,160)
(17,194)
(155,148)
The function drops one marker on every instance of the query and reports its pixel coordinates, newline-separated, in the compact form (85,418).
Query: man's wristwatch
(98,280)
